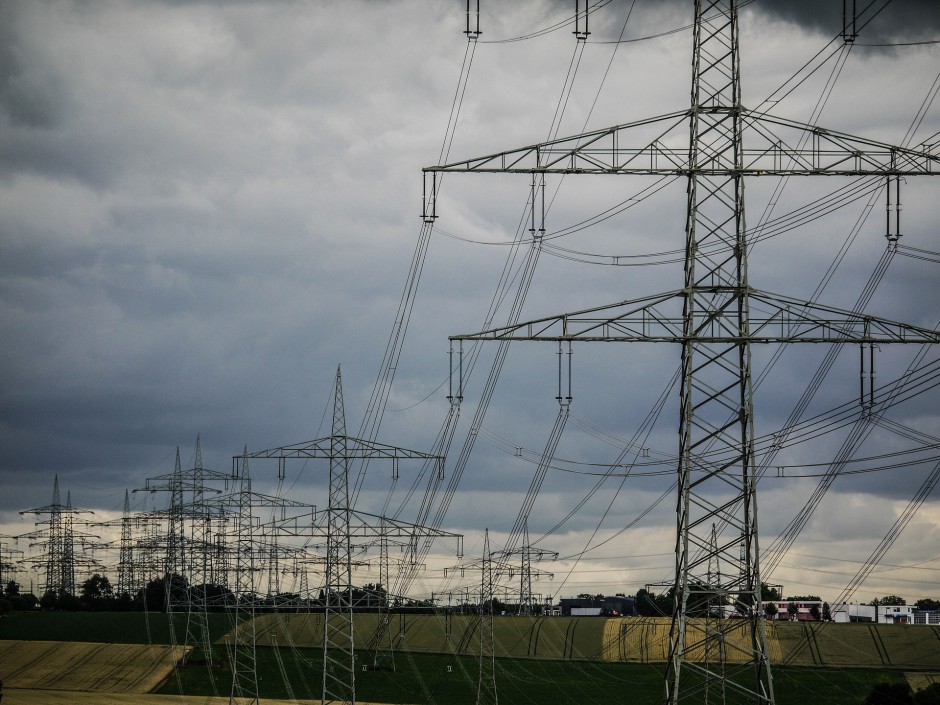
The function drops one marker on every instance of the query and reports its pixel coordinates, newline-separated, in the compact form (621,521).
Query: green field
(104,627)
(558,660)
(437,679)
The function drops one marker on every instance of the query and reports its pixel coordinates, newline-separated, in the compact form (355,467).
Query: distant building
(804,610)
(884,614)
(617,606)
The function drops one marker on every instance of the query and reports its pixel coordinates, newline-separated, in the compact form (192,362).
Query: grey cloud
(201,228)
(31,94)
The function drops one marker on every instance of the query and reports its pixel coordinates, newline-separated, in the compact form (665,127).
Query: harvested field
(919,681)
(557,638)
(625,640)
(60,665)
(646,640)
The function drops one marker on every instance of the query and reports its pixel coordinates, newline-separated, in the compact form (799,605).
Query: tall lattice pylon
(243,655)
(339,658)
(486,674)
(716,408)
(344,525)
(127,573)
(198,481)
(710,317)
(56,536)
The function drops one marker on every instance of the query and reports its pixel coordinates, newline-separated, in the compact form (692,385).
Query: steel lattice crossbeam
(771,145)
(659,319)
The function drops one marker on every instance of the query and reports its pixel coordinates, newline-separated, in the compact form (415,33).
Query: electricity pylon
(243,651)
(128,579)
(527,553)
(710,317)
(344,527)
(57,537)
(487,693)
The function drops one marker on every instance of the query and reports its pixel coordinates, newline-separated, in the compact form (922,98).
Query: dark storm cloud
(875,22)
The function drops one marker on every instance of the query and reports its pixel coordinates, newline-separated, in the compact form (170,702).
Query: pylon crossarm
(659,319)
(802,321)
(771,146)
(639,319)
(832,151)
(596,151)
(356,448)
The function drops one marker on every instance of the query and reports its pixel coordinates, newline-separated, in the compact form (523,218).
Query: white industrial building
(884,614)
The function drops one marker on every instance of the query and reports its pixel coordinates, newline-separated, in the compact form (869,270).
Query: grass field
(558,660)
(437,679)
(632,640)
(104,627)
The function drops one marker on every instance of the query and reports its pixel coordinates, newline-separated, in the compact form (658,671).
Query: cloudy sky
(205,207)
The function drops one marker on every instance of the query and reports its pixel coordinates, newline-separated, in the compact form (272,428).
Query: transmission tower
(344,528)
(711,319)
(174,542)
(56,536)
(486,680)
(243,656)
(128,580)
(202,554)
(527,553)
(339,658)
(8,565)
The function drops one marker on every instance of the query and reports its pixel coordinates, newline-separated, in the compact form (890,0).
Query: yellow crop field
(112,668)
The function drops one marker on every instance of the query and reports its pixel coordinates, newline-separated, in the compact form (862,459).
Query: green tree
(827,612)
(97,593)
(814,612)
(792,609)
(649,604)
(96,587)
(889,600)
(25,602)
(890,694)
(49,600)
(926,603)
(770,593)
(928,696)
(771,610)
(12,589)
(586,596)
(805,598)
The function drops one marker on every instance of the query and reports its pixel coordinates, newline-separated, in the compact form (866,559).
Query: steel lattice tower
(342,525)
(486,680)
(58,540)
(716,408)
(243,656)
(710,318)
(128,581)
(339,658)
